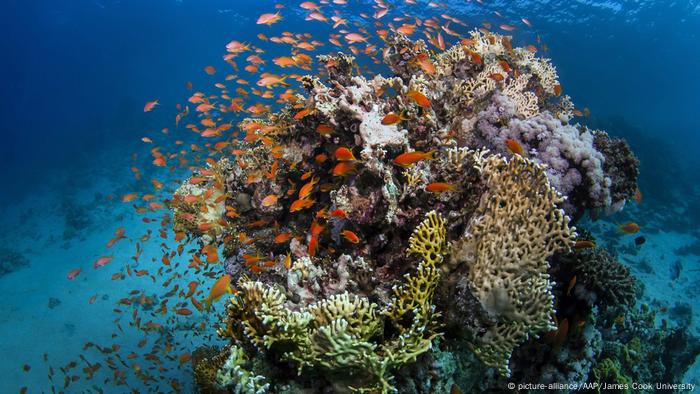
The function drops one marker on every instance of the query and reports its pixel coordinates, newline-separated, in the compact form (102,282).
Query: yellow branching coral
(345,332)
(515,228)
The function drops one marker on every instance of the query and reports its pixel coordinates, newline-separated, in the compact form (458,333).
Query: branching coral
(516,227)
(343,332)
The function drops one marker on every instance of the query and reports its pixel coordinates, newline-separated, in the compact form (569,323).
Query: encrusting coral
(467,156)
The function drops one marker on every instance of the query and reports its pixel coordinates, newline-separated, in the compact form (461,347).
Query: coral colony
(380,233)
(414,233)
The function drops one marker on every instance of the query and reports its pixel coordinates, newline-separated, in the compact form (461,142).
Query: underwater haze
(475,196)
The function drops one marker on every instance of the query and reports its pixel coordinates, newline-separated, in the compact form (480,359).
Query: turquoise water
(75,79)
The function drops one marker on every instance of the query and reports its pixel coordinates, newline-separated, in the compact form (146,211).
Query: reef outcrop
(375,224)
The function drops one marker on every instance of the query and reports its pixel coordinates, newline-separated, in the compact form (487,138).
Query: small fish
(339,213)
(638,196)
(150,105)
(514,147)
(419,98)
(350,236)
(324,129)
(210,70)
(344,154)
(102,261)
(440,187)
(73,273)
(353,38)
(392,118)
(507,27)
(526,22)
(288,260)
(584,244)
(270,80)
(409,158)
(629,228)
(344,168)
(269,19)
(282,237)
(321,158)
(300,204)
(269,200)
(425,64)
(306,190)
(303,113)
(557,90)
(498,77)
(639,241)
(221,287)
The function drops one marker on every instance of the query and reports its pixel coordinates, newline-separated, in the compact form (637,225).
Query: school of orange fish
(193,288)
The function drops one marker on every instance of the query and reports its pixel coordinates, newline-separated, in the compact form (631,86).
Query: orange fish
(221,287)
(629,228)
(150,105)
(514,147)
(425,64)
(339,213)
(507,27)
(419,98)
(269,200)
(306,190)
(129,197)
(498,77)
(344,154)
(302,114)
(392,118)
(308,5)
(353,38)
(321,158)
(73,273)
(282,237)
(350,236)
(210,70)
(638,196)
(324,129)
(505,66)
(183,311)
(269,19)
(300,204)
(409,158)
(439,187)
(557,90)
(102,261)
(288,260)
(344,168)
(313,245)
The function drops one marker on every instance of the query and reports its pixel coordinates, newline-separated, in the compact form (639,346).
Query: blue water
(76,74)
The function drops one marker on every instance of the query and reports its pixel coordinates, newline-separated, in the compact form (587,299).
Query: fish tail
(431,154)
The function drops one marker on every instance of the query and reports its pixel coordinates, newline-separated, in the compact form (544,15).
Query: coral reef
(468,158)
(601,279)
(342,333)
